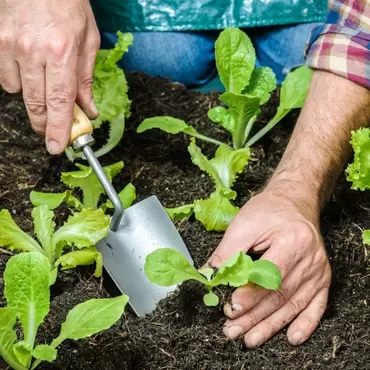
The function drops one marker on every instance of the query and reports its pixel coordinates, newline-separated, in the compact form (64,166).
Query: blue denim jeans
(188,57)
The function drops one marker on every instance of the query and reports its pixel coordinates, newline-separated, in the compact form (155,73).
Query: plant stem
(249,128)
(275,120)
(208,139)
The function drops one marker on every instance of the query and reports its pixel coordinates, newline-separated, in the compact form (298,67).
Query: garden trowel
(134,232)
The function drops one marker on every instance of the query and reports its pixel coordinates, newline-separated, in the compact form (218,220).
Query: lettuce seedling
(27,293)
(247,89)
(166,267)
(358,172)
(110,94)
(82,231)
(92,190)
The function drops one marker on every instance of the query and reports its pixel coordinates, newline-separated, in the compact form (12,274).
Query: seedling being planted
(247,89)
(166,267)
(110,94)
(91,188)
(81,231)
(27,293)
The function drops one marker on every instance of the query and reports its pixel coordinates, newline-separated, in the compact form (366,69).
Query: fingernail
(255,340)
(53,147)
(233,332)
(93,108)
(297,338)
(234,309)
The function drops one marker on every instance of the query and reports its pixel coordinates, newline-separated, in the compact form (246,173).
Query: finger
(306,323)
(33,81)
(86,64)
(247,297)
(277,320)
(9,76)
(61,90)
(258,307)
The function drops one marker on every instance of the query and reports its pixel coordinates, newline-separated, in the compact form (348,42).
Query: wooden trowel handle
(80,125)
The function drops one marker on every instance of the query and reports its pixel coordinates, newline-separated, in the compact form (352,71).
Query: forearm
(319,146)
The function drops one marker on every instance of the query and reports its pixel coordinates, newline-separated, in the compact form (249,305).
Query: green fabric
(196,15)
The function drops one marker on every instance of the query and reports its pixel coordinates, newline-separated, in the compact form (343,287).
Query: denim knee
(281,48)
(185,57)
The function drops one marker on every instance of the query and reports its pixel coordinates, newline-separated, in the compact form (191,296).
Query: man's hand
(47,50)
(271,224)
(283,220)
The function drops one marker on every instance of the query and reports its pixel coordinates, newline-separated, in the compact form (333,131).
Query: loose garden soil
(182,333)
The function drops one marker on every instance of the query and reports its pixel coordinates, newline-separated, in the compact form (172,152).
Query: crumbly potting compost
(182,333)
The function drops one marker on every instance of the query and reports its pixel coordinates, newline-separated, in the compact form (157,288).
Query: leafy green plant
(358,172)
(166,267)
(92,191)
(27,293)
(81,231)
(247,89)
(110,94)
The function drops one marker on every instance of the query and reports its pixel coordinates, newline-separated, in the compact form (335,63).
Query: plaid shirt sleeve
(342,44)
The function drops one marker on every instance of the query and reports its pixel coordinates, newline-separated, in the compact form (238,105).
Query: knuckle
(297,306)
(87,82)
(278,298)
(60,99)
(58,45)
(306,233)
(35,107)
(25,44)
(95,42)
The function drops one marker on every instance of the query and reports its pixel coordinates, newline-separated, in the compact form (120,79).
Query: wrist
(297,194)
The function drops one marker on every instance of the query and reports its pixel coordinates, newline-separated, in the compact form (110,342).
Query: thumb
(238,237)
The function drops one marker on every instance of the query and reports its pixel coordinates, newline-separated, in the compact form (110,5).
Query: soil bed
(182,333)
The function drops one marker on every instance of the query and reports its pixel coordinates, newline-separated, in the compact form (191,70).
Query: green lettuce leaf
(293,94)
(216,212)
(44,352)
(8,337)
(235,59)
(23,352)
(210,299)
(110,84)
(44,228)
(166,267)
(226,165)
(110,94)
(87,181)
(240,116)
(14,238)
(358,172)
(54,200)
(127,197)
(91,317)
(261,84)
(27,291)
(234,272)
(180,213)
(168,124)
(265,274)
(83,257)
(366,237)
(82,229)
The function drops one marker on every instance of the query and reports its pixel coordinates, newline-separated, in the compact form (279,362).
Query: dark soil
(182,333)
